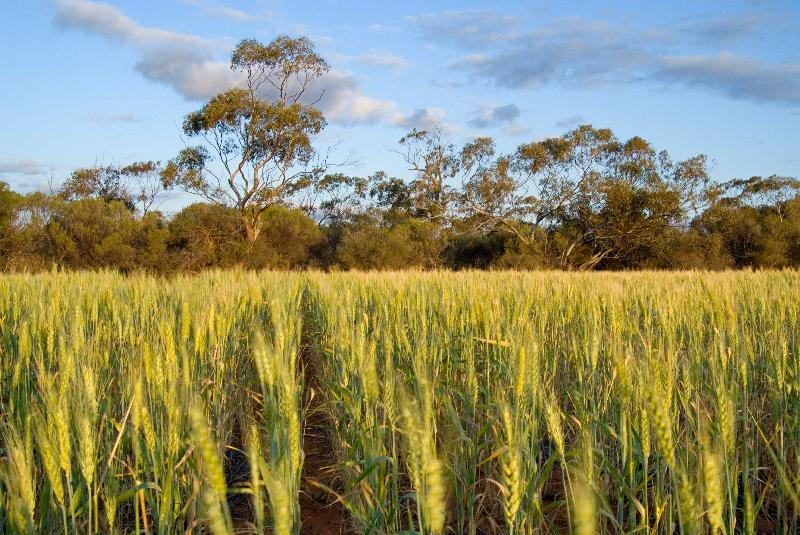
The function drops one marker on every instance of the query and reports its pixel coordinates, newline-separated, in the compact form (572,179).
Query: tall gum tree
(615,197)
(256,146)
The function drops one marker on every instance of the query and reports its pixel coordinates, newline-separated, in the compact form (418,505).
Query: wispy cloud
(577,53)
(195,68)
(376,58)
(571,121)
(726,29)
(471,29)
(490,116)
(220,10)
(114,118)
(23,167)
(420,118)
(231,13)
(381,28)
(503,117)
(569,52)
(186,62)
(735,76)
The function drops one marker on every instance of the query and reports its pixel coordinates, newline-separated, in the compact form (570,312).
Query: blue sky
(110,82)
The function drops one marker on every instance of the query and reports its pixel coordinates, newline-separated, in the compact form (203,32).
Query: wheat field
(431,403)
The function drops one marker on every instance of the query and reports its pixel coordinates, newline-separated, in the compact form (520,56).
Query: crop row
(447,402)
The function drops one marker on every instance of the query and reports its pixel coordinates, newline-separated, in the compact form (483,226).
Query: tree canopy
(256,146)
(586,199)
(583,200)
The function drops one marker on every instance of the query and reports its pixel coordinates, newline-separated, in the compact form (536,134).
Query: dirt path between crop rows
(320,513)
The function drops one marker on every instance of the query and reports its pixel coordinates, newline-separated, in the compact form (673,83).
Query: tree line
(269,199)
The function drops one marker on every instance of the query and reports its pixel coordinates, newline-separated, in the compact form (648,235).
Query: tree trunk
(252,227)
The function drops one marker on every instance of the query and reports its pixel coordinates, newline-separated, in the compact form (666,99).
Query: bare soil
(320,514)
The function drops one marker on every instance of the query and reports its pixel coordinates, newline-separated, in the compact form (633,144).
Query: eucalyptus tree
(104,182)
(435,162)
(8,206)
(603,198)
(135,185)
(256,139)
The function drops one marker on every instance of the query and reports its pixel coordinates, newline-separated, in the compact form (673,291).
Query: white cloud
(502,117)
(109,21)
(571,52)
(725,29)
(343,101)
(187,63)
(193,67)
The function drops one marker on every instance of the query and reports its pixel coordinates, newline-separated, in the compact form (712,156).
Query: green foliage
(277,63)
(411,243)
(93,233)
(583,200)
(8,206)
(257,148)
(758,223)
(135,184)
(203,236)
(288,241)
(8,200)
(104,183)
